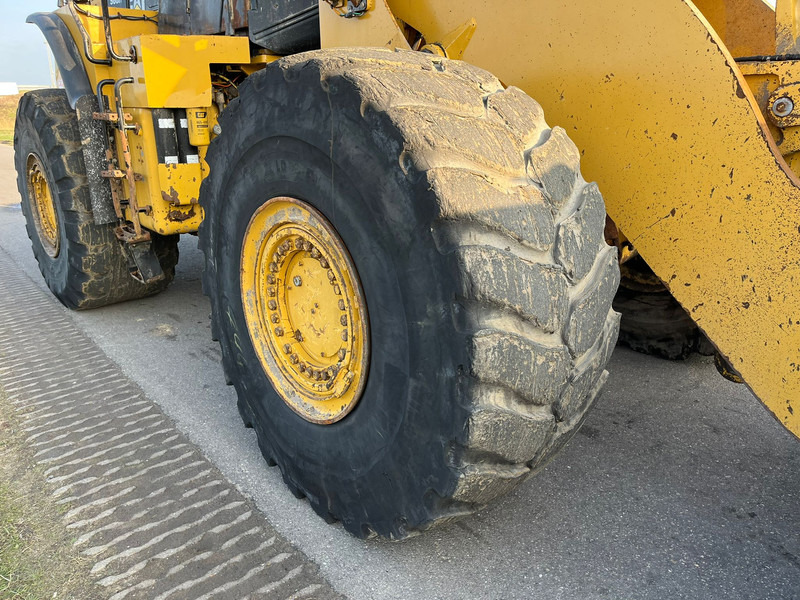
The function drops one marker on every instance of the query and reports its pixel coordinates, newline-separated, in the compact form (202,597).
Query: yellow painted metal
(747,27)
(668,127)
(377,27)
(165,195)
(776,87)
(456,42)
(180,183)
(787,14)
(43,208)
(305,310)
(173,70)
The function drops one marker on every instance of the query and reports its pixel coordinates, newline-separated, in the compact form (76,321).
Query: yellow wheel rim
(42,207)
(305,310)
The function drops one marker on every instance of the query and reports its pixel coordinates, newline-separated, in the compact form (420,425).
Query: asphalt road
(679,485)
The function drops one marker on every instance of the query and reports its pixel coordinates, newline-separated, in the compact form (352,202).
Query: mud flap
(143,264)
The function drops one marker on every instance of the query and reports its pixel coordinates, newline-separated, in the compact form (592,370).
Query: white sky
(23,54)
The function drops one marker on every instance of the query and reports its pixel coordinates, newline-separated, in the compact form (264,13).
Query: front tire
(480,251)
(83,264)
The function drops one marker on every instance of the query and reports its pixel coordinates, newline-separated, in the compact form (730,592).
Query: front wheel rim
(43,207)
(305,310)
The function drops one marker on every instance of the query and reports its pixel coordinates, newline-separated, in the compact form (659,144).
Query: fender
(66,54)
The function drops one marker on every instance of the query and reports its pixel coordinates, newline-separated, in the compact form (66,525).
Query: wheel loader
(409,261)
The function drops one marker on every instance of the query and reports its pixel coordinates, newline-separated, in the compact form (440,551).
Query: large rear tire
(480,251)
(83,264)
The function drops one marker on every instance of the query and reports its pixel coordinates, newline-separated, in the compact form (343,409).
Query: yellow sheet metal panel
(747,27)
(669,129)
(376,28)
(173,70)
(160,185)
(180,183)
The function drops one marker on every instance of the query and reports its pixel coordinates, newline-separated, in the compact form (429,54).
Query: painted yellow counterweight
(669,129)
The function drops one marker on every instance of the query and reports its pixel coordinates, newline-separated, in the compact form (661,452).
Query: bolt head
(297,281)
(782,107)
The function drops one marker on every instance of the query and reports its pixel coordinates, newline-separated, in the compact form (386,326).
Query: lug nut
(331,275)
(272,305)
(342,320)
(298,336)
(287,348)
(315,253)
(344,335)
(337,290)
(323,263)
(271,279)
(341,304)
(342,354)
(274,317)
(279,331)
(302,367)
(273,267)
(271,291)
(294,358)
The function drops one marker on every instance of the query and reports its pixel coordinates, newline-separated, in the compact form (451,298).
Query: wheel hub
(43,208)
(305,310)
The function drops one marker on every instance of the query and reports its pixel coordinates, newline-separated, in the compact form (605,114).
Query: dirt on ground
(37,558)
(8,112)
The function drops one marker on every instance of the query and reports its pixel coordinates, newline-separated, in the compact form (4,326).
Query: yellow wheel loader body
(687,115)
